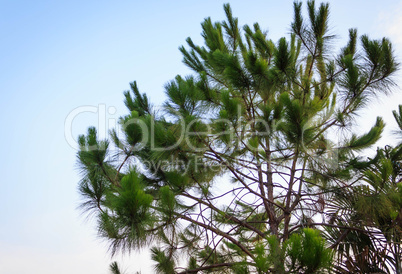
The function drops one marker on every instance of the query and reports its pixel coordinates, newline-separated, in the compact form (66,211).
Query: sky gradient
(57,56)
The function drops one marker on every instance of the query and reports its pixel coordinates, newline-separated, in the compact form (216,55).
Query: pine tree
(246,167)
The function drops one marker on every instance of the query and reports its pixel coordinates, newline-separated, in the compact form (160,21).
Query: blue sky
(56,56)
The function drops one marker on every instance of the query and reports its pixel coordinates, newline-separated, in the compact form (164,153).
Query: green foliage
(129,216)
(114,268)
(164,264)
(308,252)
(368,139)
(304,252)
(251,166)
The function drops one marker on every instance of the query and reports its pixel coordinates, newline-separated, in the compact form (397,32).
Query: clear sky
(57,56)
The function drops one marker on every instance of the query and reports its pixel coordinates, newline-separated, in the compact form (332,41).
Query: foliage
(114,268)
(248,155)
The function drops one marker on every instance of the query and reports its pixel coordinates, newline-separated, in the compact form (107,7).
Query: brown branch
(225,214)
(218,232)
(124,161)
